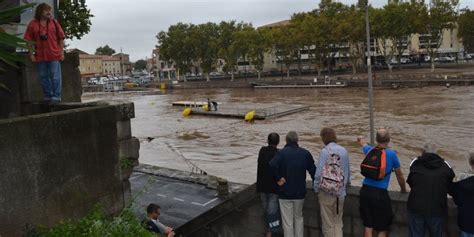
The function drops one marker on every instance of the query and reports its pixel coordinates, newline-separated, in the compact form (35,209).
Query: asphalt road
(180,201)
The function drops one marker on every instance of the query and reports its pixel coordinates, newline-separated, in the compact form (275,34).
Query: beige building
(111,66)
(125,64)
(89,65)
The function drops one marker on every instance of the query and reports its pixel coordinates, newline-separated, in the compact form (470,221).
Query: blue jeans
(465,234)
(419,224)
(49,74)
(270,206)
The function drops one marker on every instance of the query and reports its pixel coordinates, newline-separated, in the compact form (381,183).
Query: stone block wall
(248,219)
(58,165)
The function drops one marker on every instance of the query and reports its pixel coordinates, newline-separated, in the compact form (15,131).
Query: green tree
(441,15)
(205,39)
(75,18)
(335,38)
(283,46)
(466,29)
(177,45)
(225,44)
(258,46)
(352,22)
(140,65)
(105,50)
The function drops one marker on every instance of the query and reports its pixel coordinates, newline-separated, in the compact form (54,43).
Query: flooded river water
(228,148)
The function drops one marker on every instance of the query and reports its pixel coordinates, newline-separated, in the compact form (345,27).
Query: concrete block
(127,193)
(400,212)
(124,130)
(357,227)
(351,206)
(397,230)
(312,220)
(125,110)
(347,222)
(129,149)
(312,232)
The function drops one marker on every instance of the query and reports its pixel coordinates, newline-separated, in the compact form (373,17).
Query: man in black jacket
(266,184)
(430,179)
(152,223)
(463,196)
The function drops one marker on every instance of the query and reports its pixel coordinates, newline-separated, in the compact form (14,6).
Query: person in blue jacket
(289,167)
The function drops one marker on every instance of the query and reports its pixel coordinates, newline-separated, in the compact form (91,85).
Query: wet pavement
(228,148)
(180,201)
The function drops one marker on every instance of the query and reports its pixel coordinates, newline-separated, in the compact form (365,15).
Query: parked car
(445,59)
(405,60)
(215,74)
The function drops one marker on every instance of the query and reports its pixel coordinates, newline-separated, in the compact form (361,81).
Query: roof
(76,50)
(89,56)
(278,23)
(109,58)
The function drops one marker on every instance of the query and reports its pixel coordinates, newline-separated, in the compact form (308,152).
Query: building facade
(111,66)
(125,64)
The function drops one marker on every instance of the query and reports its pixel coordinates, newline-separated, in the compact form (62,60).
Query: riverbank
(459,75)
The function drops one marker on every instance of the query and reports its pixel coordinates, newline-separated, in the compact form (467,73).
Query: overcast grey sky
(133,24)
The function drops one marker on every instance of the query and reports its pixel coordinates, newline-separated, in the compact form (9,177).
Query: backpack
(332,175)
(374,164)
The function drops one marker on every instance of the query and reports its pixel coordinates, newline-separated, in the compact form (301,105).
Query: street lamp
(369,76)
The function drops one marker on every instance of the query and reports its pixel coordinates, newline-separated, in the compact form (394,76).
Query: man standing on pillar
(47,38)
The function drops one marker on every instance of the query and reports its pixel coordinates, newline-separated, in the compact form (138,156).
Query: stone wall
(248,220)
(25,88)
(59,165)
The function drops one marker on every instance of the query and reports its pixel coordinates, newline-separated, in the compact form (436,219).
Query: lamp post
(369,77)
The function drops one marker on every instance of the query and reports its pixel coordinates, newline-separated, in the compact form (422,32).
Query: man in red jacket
(47,38)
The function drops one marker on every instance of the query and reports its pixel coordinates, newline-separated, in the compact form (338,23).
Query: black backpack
(374,164)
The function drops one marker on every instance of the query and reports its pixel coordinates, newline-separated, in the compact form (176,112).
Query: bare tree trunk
(432,64)
(207,77)
(258,73)
(354,68)
(288,72)
(232,75)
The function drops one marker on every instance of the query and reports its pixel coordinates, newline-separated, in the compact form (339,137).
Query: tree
(283,46)
(440,16)
(225,44)
(329,14)
(466,29)
(177,45)
(353,23)
(75,18)
(205,39)
(258,46)
(106,50)
(140,65)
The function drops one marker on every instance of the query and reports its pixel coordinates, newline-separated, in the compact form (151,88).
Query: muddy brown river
(228,148)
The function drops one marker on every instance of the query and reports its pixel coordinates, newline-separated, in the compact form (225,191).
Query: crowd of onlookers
(281,183)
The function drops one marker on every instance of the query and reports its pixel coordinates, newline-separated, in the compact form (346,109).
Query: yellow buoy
(187,112)
(249,116)
(205,107)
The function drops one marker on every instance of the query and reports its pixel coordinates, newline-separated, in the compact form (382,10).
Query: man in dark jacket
(152,223)
(289,169)
(430,179)
(463,196)
(266,184)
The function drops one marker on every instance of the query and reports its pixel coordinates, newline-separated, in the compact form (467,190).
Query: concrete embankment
(58,162)
(242,215)
(382,80)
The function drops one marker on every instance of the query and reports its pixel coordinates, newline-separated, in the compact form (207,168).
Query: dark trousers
(418,225)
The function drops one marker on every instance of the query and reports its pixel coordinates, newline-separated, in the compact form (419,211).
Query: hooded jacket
(463,196)
(430,179)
